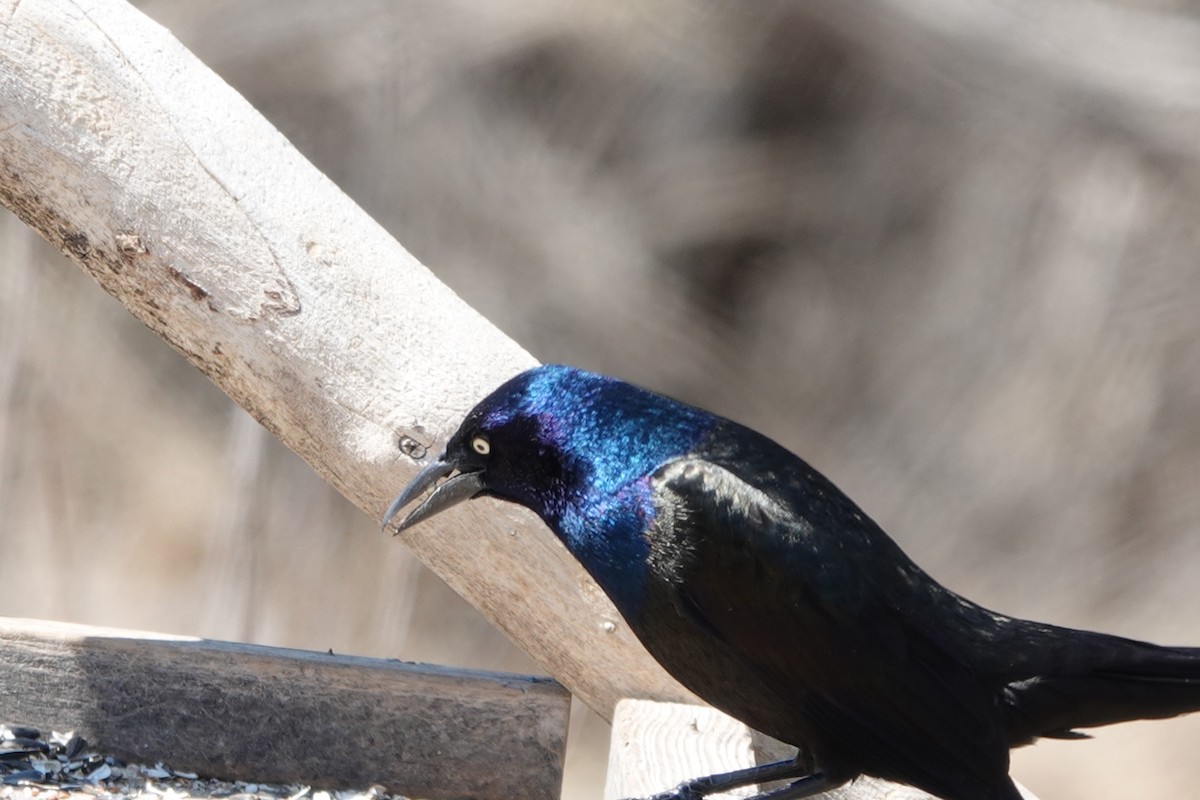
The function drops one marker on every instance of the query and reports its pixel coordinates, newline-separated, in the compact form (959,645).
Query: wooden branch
(142,166)
(245,712)
(655,746)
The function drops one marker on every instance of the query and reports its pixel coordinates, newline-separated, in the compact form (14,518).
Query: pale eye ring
(481,445)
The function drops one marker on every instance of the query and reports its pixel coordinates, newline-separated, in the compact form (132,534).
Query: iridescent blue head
(575,447)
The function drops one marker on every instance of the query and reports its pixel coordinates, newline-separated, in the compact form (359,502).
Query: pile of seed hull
(61,767)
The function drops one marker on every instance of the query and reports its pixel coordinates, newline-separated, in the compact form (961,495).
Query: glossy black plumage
(764,589)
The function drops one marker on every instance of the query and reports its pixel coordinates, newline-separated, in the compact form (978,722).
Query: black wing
(788,578)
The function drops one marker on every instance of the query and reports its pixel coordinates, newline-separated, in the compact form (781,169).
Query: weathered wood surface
(270,714)
(160,181)
(656,745)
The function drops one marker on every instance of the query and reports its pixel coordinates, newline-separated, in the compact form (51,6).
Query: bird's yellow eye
(481,445)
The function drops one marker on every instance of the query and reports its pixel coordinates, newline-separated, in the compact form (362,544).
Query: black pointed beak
(461,487)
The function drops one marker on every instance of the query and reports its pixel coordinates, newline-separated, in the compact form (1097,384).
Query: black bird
(766,591)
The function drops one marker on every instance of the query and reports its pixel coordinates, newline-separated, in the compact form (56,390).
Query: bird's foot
(808,782)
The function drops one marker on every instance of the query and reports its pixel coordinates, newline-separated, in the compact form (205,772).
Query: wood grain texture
(655,746)
(246,712)
(160,181)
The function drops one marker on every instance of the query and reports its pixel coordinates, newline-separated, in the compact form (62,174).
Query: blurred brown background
(945,251)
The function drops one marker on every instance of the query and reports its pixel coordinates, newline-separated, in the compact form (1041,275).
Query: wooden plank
(217,234)
(655,746)
(268,714)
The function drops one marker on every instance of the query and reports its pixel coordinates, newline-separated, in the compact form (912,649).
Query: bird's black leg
(805,787)
(809,782)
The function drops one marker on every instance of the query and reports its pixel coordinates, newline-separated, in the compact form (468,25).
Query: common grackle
(766,591)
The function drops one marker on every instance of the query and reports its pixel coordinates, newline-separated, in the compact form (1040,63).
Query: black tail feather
(1079,679)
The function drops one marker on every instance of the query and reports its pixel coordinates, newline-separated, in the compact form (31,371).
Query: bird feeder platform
(276,715)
